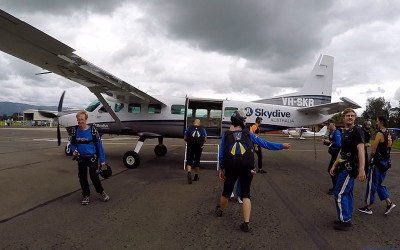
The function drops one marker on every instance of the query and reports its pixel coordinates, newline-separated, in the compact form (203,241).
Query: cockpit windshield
(93,106)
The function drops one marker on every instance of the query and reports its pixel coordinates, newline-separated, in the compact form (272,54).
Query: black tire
(68,151)
(160,150)
(131,159)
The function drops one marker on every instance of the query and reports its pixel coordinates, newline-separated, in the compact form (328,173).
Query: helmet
(106,173)
(367,123)
(238,118)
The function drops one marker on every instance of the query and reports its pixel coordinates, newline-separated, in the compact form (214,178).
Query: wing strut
(109,109)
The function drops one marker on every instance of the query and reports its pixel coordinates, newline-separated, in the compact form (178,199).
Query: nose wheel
(131,159)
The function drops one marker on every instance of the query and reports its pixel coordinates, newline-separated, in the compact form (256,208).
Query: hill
(9,108)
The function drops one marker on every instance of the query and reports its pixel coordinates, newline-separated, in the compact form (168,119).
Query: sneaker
(365,210)
(196,177)
(189,178)
(340,225)
(390,207)
(240,200)
(262,171)
(245,227)
(218,211)
(105,196)
(232,195)
(85,200)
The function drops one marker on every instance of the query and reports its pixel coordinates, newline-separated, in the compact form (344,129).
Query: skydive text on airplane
(275,114)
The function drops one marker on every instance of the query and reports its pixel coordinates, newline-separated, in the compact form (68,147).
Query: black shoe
(245,227)
(218,211)
(340,225)
(390,207)
(196,177)
(365,210)
(262,171)
(189,178)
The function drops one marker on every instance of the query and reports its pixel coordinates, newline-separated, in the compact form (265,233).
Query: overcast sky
(241,50)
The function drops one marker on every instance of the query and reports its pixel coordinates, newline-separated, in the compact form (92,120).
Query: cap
(329,121)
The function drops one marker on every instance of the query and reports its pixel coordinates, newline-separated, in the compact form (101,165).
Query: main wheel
(131,159)
(68,150)
(160,150)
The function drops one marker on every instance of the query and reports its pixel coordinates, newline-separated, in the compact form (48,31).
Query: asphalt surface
(153,207)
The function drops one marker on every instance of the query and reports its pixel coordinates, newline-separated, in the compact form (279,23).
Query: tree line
(374,108)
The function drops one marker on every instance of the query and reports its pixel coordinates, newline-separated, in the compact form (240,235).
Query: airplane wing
(24,41)
(331,108)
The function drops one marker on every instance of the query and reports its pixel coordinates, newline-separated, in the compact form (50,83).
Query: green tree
(375,107)
(394,118)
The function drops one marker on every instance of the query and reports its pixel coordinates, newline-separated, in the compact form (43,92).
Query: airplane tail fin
(316,90)
(323,130)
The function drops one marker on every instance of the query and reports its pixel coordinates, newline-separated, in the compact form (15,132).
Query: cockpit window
(93,106)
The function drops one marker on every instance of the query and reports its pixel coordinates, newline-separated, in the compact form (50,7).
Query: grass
(395,144)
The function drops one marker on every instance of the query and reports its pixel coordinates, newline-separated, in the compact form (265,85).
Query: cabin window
(134,108)
(229,111)
(201,113)
(119,107)
(215,113)
(93,106)
(154,109)
(189,113)
(178,109)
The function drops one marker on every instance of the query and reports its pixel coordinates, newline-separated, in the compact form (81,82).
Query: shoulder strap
(94,138)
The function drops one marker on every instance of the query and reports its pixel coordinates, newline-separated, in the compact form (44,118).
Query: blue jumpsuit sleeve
(265,144)
(338,138)
(186,131)
(100,149)
(204,132)
(221,152)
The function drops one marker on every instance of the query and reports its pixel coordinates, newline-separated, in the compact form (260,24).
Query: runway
(153,207)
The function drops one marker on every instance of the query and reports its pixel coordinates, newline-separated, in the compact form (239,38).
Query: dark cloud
(61,7)
(274,34)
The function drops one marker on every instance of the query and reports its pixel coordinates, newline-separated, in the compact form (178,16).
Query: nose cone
(68,120)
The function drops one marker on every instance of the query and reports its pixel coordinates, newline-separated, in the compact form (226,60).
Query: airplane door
(209,112)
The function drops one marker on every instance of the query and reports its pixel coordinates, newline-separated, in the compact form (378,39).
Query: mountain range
(9,108)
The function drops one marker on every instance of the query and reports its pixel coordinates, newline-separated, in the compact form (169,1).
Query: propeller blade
(58,134)
(61,102)
(47,114)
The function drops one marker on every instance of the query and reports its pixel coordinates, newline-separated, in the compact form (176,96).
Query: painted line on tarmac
(318,239)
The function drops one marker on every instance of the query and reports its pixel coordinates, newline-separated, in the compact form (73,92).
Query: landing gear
(131,159)
(68,150)
(160,150)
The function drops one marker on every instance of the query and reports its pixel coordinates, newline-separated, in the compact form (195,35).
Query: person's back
(238,151)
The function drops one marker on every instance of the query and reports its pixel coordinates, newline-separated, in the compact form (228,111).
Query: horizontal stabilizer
(331,108)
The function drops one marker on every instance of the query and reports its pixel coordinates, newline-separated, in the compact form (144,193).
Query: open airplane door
(209,112)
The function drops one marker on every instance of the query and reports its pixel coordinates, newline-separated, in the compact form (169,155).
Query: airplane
(123,109)
(304,132)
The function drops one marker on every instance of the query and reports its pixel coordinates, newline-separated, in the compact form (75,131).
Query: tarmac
(153,207)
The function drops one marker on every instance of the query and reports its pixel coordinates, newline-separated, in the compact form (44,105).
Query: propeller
(60,103)
(52,116)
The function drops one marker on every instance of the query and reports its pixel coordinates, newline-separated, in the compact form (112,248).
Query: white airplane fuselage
(171,119)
